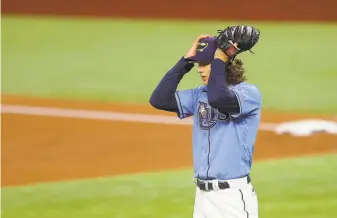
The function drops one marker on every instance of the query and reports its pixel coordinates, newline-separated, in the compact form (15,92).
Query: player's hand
(192,51)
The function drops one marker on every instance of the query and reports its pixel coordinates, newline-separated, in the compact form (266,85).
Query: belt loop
(206,186)
(215,184)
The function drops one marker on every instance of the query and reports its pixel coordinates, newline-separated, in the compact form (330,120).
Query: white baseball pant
(238,201)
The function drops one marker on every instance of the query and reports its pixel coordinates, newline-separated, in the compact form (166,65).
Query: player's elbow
(156,105)
(157,101)
(154,101)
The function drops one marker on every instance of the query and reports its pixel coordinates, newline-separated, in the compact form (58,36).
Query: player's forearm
(163,97)
(219,95)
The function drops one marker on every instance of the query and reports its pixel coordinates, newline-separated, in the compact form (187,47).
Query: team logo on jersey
(208,116)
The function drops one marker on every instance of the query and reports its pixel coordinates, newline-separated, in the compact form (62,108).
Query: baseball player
(226,112)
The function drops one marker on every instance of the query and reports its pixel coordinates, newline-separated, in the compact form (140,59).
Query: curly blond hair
(236,72)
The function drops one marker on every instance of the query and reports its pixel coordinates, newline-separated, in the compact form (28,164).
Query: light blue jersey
(223,144)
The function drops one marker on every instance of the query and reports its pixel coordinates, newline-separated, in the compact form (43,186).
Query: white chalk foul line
(102,115)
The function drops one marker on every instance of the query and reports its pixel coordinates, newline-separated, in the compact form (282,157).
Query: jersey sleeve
(249,99)
(186,101)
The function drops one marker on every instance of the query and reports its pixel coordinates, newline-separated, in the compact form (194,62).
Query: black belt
(205,185)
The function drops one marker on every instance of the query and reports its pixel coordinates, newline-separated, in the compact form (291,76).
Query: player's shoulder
(245,86)
(192,92)
(195,89)
(201,88)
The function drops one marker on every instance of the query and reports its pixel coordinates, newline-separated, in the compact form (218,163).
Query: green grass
(295,64)
(301,188)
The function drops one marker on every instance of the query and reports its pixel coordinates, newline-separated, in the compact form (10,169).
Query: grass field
(301,188)
(123,60)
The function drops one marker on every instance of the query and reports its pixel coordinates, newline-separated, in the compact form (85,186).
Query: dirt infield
(40,148)
(275,10)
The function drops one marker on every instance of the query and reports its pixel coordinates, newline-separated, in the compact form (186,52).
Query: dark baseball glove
(245,37)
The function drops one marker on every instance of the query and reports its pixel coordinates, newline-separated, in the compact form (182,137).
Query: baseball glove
(245,37)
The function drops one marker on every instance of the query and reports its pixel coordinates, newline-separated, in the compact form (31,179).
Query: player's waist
(215,184)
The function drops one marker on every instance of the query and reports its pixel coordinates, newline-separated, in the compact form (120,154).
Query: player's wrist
(219,54)
(222,59)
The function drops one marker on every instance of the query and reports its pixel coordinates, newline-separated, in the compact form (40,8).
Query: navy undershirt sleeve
(163,97)
(219,95)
